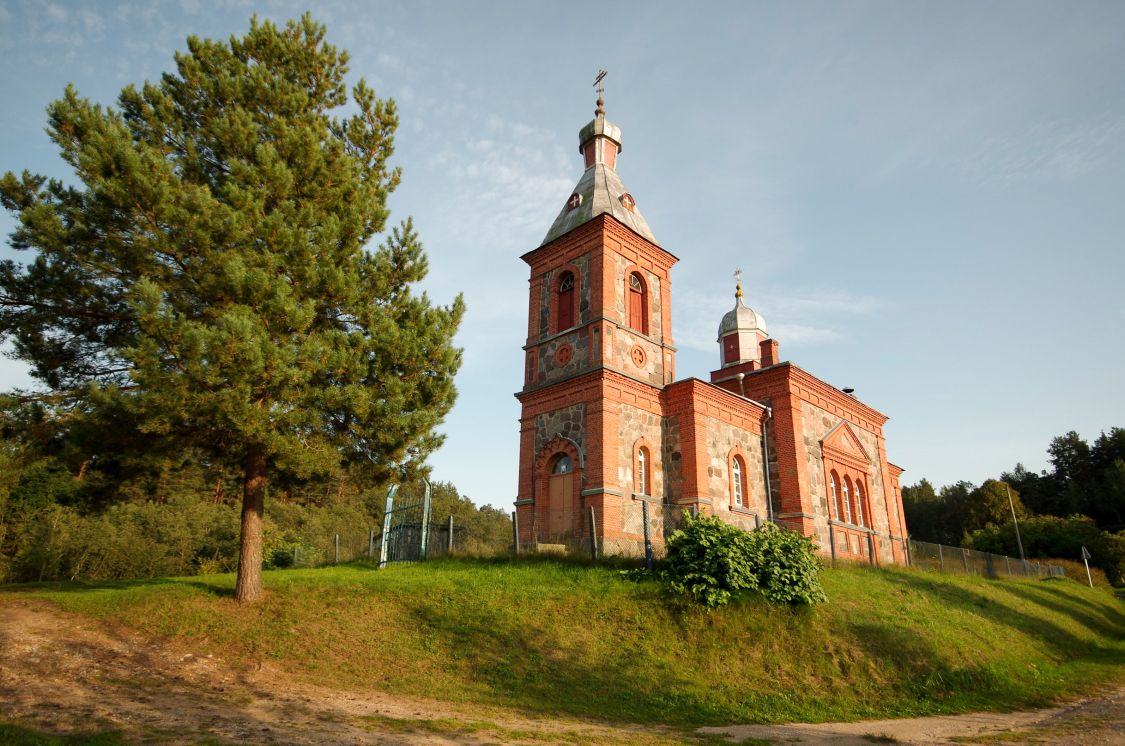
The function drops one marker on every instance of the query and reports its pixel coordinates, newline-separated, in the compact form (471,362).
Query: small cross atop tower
(738,282)
(600,111)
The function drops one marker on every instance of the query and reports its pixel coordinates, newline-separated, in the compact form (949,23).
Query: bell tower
(598,353)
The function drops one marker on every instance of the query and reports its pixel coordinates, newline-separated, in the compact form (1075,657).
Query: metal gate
(406,529)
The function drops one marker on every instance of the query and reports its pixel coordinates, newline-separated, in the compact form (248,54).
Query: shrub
(710,561)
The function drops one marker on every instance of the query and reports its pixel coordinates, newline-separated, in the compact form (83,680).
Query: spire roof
(741,317)
(600,190)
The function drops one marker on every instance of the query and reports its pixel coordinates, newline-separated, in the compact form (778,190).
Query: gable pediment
(842,442)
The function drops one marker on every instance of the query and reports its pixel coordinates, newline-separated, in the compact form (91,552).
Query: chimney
(769,355)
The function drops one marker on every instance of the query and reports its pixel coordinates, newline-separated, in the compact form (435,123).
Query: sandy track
(64,673)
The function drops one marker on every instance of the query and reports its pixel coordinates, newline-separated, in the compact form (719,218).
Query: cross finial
(600,111)
(738,283)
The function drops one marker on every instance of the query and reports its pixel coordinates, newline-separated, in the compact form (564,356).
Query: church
(615,449)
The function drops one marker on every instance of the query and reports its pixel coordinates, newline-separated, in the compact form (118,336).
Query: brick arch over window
(738,478)
(638,300)
(835,495)
(558,514)
(564,302)
(644,467)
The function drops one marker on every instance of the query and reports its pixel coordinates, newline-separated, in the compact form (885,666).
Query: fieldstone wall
(817,424)
(569,422)
(582,264)
(672,460)
(721,439)
(652,283)
(633,424)
(549,369)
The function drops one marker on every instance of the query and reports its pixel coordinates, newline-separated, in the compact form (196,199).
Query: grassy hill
(559,637)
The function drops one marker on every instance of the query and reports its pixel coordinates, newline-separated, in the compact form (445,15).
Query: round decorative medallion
(628,201)
(563,355)
(638,356)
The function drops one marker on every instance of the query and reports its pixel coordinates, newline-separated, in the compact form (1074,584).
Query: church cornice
(601,224)
(814,385)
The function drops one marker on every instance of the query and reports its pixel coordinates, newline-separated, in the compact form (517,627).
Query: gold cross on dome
(738,282)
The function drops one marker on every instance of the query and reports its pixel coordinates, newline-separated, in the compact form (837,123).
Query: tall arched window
(638,304)
(834,488)
(859,515)
(738,481)
(641,484)
(566,301)
(848,499)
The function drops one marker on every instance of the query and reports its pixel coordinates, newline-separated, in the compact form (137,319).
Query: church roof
(599,191)
(741,318)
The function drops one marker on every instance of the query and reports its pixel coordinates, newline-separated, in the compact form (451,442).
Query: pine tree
(209,284)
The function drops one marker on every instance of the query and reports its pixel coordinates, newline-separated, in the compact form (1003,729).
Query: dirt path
(63,673)
(1095,720)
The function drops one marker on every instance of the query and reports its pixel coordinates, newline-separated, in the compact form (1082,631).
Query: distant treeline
(65,518)
(1079,502)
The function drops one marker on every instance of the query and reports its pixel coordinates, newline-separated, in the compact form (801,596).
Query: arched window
(848,499)
(834,488)
(738,481)
(861,519)
(638,304)
(566,301)
(641,483)
(562,465)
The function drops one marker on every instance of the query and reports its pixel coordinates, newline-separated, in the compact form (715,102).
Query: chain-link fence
(971,562)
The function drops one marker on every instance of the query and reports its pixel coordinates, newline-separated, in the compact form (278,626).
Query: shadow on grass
(1047,632)
(926,675)
(81,586)
(1103,620)
(525,664)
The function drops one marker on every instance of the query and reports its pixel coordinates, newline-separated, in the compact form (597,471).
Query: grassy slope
(568,638)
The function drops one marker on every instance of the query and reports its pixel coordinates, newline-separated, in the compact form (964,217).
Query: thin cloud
(1054,150)
(805,318)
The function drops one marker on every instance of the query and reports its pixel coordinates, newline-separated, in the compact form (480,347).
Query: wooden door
(560,504)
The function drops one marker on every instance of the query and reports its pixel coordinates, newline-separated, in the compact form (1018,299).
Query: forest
(1078,502)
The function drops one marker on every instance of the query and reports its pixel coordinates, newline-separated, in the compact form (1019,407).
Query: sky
(927,199)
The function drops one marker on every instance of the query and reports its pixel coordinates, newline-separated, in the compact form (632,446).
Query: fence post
(871,549)
(965,560)
(1008,565)
(832,543)
(387,524)
(425,519)
(940,558)
(516,531)
(370,543)
(648,538)
(449,549)
(337,544)
(295,556)
(593,535)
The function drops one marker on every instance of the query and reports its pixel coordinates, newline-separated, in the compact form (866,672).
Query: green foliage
(989,505)
(211,285)
(711,560)
(1050,536)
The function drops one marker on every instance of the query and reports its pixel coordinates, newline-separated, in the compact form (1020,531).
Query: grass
(17,735)
(565,638)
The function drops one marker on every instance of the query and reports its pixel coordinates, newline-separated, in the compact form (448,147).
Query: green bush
(710,561)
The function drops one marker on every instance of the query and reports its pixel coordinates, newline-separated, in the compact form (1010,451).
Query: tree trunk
(248,588)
